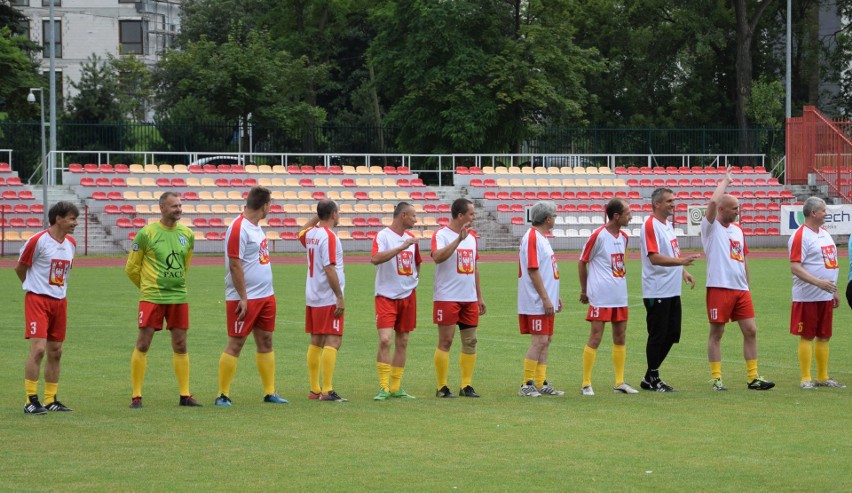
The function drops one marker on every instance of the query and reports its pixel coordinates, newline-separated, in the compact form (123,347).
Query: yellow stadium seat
(540,170)
(594,182)
(567,182)
(292,183)
(502,183)
(166,169)
(272,236)
(334,183)
(208,182)
(514,170)
(376,183)
(362,182)
(277,195)
(152,168)
(527,170)
(374,195)
(604,170)
(516,183)
(387,221)
(376,170)
(180,169)
(619,182)
(26,235)
(199,236)
(333,195)
(304,209)
(148,182)
(279,170)
(488,170)
(133,181)
(265,182)
(501,170)
(429,221)
(264,169)
(579,170)
(416,233)
(388,195)
(291,195)
(320,183)
(402,195)
(591,170)
(388,208)
(220,195)
(541,182)
(304,195)
(233,209)
(607,182)
(529,182)
(136,168)
(289,208)
(346,208)
(418,208)
(349,170)
(262,223)
(554,182)
(374,208)
(362,170)
(344,235)
(130,196)
(359,208)
(193,182)
(251,169)
(188,208)
(217,208)
(580,182)
(152,220)
(202,209)
(145,195)
(345,222)
(566,170)
(278,182)
(205,195)
(347,195)
(390,182)
(228,221)
(428,233)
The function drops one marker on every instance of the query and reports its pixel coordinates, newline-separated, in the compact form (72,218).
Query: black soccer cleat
(760,383)
(188,401)
(34,406)
(468,392)
(445,393)
(57,406)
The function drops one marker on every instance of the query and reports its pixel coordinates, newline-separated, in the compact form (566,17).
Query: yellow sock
(50,392)
(329,357)
(384,375)
(619,356)
(314,354)
(467,362)
(396,378)
(138,365)
(821,356)
(716,369)
(805,348)
(180,362)
(442,367)
(30,388)
(227,370)
(751,369)
(266,367)
(588,363)
(529,370)
(540,375)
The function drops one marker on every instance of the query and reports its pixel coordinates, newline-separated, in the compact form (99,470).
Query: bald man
(728,296)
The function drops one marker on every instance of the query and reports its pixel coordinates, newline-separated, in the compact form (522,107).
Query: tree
(245,75)
(97,98)
(746,27)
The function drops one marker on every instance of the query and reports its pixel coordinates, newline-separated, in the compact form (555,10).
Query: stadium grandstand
(118,199)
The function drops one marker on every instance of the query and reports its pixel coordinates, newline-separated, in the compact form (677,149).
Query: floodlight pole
(789,61)
(31,99)
(52,96)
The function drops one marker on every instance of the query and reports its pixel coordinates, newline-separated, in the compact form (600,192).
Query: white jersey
(247,242)
(455,278)
(818,255)
(397,278)
(536,253)
(659,281)
(323,248)
(606,284)
(726,250)
(49,263)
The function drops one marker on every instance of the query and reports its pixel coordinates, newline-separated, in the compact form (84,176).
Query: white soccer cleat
(546,389)
(528,390)
(624,388)
(587,390)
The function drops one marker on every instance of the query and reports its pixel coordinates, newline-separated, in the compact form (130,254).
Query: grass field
(785,439)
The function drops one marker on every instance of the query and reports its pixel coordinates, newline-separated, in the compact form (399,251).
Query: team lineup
(161,253)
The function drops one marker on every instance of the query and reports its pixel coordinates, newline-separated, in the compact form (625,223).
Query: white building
(143,28)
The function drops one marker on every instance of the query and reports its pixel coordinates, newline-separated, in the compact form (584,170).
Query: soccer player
(603,286)
(728,296)
(324,303)
(396,256)
(43,267)
(538,299)
(849,284)
(457,298)
(249,298)
(814,264)
(157,264)
(662,272)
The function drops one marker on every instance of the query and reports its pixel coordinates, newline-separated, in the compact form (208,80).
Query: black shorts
(849,294)
(663,317)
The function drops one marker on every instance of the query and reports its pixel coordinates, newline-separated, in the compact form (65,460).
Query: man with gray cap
(538,298)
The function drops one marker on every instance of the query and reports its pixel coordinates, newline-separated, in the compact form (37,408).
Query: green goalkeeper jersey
(158,260)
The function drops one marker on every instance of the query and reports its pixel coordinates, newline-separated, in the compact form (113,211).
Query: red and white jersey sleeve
(817,253)
(398,277)
(247,242)
(659,281)
(455,278)
(49,263)
(726,250)
(606,284)
(323,248)
(536,253)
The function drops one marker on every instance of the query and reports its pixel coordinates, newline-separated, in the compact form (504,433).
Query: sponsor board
(694,215)
(838,219)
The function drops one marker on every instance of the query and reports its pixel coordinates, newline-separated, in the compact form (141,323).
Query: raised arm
(713,206)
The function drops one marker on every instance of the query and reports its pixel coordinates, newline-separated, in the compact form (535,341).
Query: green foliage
(766,106)
(699,440)
(97,98)
(18,72)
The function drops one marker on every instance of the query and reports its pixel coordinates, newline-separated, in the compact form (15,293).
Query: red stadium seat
(417,182)
(348,182)
(118,182)
(216,222)
(37,209)
(430,196)
(121,168)
(75,168)
(139,222)
(111,209)
(123,222)
(403,182)
(131,235)
(361,195)
(164,182)
(236,182)
(87,181)
(21,209)
(99,195)
(127,209)
(518,221)
(200,222)
(306,183)
(91,168)
(222,182)
(308,170)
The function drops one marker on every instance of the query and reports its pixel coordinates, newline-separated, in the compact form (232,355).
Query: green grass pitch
(785,439)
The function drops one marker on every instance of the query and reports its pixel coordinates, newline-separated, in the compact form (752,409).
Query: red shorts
(618,314)
(455,312)
(728,305)
(45,317)
(400,315)
(152,315)
(260,314)
(320,320)
(540,325)
(810,319)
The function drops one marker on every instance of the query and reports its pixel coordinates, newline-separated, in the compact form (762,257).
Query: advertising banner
(838,219)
